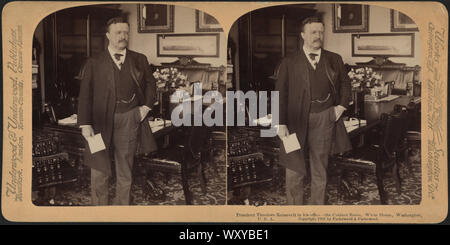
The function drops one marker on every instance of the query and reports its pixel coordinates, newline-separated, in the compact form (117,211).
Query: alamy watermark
(182,113)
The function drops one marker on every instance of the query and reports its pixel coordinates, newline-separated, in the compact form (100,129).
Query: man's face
(313,35)
(118,35)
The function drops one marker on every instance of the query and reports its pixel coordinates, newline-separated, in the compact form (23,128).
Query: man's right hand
(87,131)
(283,131)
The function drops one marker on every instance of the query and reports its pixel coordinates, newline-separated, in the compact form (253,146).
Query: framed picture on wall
(206,23)
(383,45)
(155,18)
(401,22)
(350,18)
(190,45)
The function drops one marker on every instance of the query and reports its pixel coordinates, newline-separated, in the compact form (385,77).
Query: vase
(169,103)
(165,105)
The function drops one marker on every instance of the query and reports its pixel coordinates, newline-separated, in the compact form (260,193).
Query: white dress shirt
(120,62)
(316,61)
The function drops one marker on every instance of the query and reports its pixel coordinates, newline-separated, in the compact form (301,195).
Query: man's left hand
(338,110)
(143,110)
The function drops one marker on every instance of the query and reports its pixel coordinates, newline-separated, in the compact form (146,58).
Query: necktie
(313,59)
(117,56)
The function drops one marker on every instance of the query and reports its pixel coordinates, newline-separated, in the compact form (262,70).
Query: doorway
(266,36)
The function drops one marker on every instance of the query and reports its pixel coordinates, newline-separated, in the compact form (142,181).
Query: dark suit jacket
(293,85)
(97,101)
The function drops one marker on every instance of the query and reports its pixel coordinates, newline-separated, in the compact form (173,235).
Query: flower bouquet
(170,79)
(364,77)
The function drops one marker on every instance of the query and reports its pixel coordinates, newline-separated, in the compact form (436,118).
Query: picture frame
(188,45)
(206,23)
(383,45)
(401,22)
(349,18)
(155,18)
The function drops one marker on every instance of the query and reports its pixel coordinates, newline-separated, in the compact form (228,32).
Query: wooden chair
(403,147)
(216,140)
(377,158)
(413,135)
(410,139)
(181,157)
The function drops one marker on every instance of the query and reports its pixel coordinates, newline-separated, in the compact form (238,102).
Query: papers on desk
(96,143)
(354,123)
(158,124)
(264,121)
(416,100)
(387,98)
(177,97)
(72,120)
(290,143)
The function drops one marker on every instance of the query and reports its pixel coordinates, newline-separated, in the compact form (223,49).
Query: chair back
(404,115)
(394,131)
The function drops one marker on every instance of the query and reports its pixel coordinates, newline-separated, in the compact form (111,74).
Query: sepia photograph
(102,131)
(155,18)
(224,112)
(350,18)
(383,45)
(206,23)
(352,102)
(176,45)
(401,22)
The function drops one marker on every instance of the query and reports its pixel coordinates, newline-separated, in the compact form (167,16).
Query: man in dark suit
(314,92)
(116,94)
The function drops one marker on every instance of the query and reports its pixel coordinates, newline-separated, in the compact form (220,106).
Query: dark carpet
(77,194)
(273,193)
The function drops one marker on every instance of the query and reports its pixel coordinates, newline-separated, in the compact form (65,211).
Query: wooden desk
(72,142)
(193,141)
(373,110)
(359,136)
(363,128)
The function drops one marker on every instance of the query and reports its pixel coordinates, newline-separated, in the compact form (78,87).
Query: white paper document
(158,124)
(353,124)
(264,121)
(96,143)
(290,143)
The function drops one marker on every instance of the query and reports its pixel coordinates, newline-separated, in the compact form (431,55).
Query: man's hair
(115,20)
(309,20)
